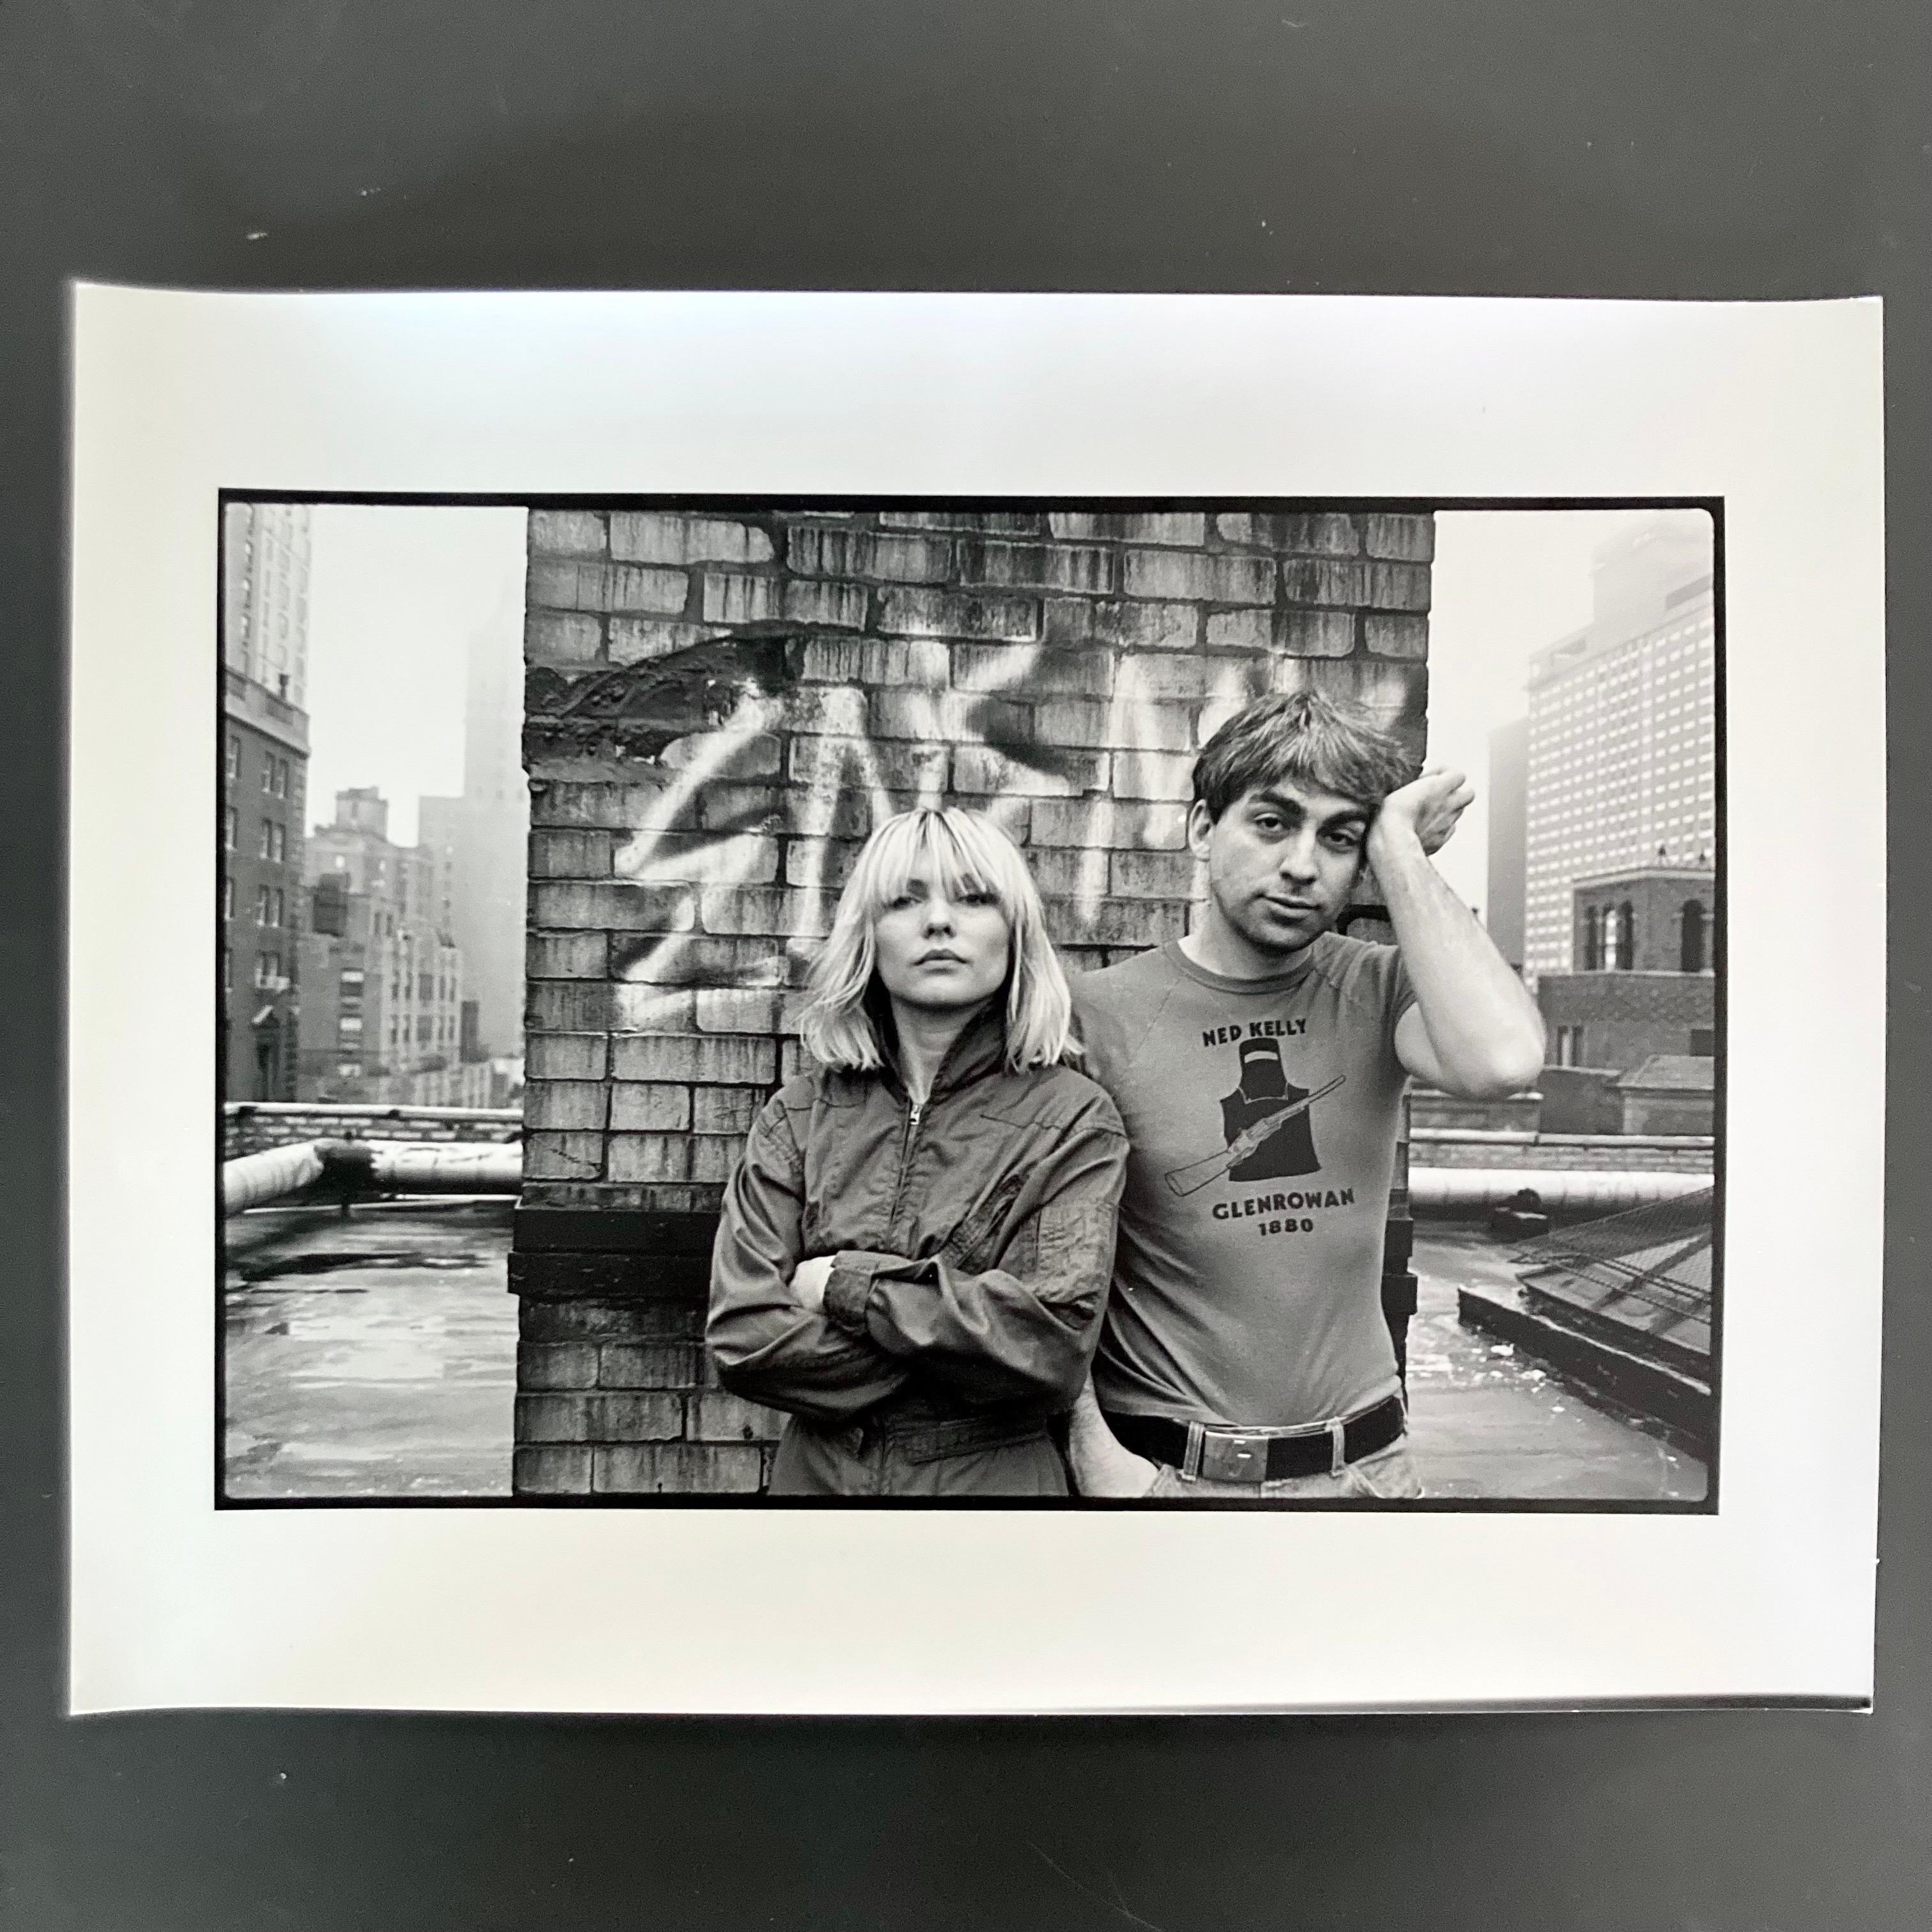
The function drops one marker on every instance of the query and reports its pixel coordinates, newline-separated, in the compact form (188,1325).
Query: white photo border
(1774,409)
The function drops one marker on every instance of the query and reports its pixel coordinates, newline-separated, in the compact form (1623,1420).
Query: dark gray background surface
(1512,147)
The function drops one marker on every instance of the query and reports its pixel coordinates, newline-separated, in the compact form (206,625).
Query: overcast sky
(1506,583)
(396,595)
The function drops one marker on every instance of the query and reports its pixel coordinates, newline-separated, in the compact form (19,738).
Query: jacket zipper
(914,1109)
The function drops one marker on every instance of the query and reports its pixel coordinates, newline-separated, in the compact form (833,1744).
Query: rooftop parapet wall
(723,701)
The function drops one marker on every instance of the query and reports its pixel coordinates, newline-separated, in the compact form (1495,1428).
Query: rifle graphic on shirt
(1185,1180)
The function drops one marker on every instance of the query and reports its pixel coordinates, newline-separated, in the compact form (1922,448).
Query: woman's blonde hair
(966,853)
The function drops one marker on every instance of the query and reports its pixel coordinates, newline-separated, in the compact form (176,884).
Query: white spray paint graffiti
(655,995)
(667,987)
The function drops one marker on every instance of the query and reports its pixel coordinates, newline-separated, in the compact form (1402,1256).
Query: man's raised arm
(1474,1031)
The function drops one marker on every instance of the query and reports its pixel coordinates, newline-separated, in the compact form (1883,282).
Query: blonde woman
(915,1251)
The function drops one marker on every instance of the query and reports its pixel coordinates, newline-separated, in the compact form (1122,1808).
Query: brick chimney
(722,702)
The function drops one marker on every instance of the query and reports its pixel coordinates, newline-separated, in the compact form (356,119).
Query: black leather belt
(1225,1455)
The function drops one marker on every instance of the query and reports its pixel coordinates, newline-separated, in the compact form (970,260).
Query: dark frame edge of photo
(1709,1505)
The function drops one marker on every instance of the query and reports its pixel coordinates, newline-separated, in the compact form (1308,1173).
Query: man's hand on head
(1426,808)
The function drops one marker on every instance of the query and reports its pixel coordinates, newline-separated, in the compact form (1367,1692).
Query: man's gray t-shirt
(1262,1116)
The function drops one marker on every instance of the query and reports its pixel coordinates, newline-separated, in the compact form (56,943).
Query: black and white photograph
(1208,1003)
(965,967)
(974,994)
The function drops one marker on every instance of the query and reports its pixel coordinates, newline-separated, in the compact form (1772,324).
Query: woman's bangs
(971,859)
(953,854)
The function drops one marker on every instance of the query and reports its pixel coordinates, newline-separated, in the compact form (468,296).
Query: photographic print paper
(542,717)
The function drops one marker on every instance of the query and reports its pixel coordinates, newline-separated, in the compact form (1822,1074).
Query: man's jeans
(1388,1475)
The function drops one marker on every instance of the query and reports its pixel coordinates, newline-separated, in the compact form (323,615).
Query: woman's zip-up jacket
(973,1244)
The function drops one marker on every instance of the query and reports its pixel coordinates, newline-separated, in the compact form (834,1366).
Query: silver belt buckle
(1235,1455)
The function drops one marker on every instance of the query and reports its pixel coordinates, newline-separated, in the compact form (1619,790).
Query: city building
(381,1019)
(1622,732)
(264,573)
(1632,1033)
(1658,918)
(481,842)
(1508,853)
(264,781)
(439,832)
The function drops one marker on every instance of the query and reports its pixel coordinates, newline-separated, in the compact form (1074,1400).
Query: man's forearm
(1486,1034)
(1103,1464)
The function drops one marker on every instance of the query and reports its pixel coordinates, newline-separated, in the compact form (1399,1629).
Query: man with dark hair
(1259,1064)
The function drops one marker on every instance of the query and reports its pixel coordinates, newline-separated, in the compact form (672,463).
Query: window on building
(228,824)
(265,903)
(349,1069)
(1620,937)
(1569,1047)
(231,763)
(350,1023)
(268,970)
(228,897)
(281,778)
(227,970)
(352,976)
(268,774)
(1593,940)
(1691,947)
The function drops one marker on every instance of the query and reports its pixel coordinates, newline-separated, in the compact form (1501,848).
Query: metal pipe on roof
(358,1168)
(418,1167)
(254,1178)
(415,1167)
(1474,1190)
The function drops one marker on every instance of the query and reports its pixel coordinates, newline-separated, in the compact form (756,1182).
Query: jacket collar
(980,1050)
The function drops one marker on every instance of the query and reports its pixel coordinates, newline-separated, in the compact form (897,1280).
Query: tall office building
(439,841)
(481,842)
(265,564)
(265,773)
(1622,751)
(1508,856)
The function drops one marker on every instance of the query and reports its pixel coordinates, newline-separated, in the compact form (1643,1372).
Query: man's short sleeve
(1400,995)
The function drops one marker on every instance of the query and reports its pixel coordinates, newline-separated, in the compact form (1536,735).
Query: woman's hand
(1101,1465)
(808,1282)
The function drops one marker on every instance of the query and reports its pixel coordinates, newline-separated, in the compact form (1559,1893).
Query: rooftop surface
(375,1356)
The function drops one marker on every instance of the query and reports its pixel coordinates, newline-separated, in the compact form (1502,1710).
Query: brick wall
(721,702)
(1581,1100)
(618,1397)
(1627,1017)
(1648,1111)
(1620,1151)
(1515,1113)
(1657,897)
